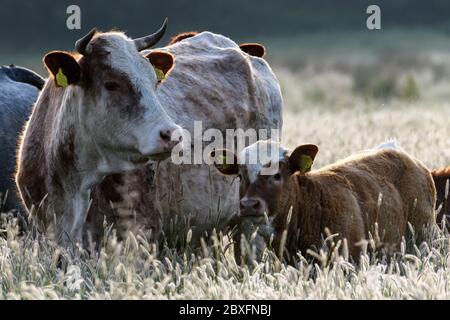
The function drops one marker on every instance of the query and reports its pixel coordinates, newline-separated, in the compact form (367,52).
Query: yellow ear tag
(222,159)
(159,74)
(61,79)
(305,163)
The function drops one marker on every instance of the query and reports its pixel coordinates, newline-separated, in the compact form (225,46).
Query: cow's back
(392,188)
(215,82)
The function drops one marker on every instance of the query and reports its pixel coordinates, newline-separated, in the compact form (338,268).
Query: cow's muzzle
(170,138)
(252,206)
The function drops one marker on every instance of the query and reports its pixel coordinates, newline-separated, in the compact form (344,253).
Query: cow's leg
(71,224)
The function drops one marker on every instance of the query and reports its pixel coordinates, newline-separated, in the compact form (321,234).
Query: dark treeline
(28,25)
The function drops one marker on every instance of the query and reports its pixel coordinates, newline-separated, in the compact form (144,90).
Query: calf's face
(259,191)
(114,87)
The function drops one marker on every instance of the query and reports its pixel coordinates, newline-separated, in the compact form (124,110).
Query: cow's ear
(225,161)
(162,62)
(64,68)
(253,49)
(302,158)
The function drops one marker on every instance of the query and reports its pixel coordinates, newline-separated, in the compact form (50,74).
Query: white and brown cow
(98,114)
(383,185)
(219,83)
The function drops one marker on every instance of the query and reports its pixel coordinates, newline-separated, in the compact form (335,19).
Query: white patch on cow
(260,156)
(124,57)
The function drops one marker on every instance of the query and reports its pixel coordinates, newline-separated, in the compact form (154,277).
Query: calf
(97,115)
(19,89)
(383,186)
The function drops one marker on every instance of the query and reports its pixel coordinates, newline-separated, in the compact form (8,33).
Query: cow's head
(115,88)
(259,192)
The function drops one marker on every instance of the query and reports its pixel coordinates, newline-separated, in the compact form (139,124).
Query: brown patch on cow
(253,49)
(181,36)
(441,178)
(127,202)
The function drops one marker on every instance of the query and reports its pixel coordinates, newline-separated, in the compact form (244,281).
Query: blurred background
(322,47)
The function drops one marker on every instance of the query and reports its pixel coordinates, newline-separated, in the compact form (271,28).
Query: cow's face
(119,109)
(259,192)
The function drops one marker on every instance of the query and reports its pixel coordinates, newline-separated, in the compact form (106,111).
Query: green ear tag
(159,74)
(61,79)
(305,163)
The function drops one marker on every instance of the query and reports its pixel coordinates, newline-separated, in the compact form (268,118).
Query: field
(343,107)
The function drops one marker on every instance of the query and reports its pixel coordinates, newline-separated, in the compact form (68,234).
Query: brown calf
(383,186)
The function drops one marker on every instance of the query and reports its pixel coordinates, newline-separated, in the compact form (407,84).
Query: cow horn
(148,41)
(82,43)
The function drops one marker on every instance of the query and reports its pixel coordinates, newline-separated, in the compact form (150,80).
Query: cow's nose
(165,135)
(251,207)
(170,138)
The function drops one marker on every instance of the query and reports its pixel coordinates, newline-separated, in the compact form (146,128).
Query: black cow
(19,89)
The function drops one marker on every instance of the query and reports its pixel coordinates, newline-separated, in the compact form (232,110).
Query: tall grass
(30,266)
(132,269)
(343,109)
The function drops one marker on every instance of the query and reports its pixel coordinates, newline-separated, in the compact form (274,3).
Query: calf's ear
(64,68)
(253,49)
(225,161)
(302,158)
(162,63)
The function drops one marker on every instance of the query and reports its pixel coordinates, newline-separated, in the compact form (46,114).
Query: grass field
(333,107)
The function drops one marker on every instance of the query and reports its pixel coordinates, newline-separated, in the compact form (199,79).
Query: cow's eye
(111,86)
(239,177)
(277,177)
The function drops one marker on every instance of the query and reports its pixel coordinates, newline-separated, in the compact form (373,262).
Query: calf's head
(114,87)
(260,189)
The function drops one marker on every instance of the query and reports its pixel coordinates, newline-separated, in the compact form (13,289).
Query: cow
(382,185)
(215,82)
(441,179)
(98,114)
(19,89)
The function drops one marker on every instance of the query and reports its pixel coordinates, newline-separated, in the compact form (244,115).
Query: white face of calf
(119,110)
(259,191)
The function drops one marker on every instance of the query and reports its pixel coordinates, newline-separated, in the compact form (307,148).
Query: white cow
(215,82)
(98,114)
